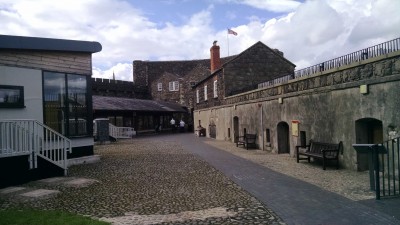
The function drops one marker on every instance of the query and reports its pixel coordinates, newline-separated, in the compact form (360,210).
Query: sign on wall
(295,128)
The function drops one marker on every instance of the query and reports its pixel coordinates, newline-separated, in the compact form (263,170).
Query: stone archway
(283,138)
(368,131)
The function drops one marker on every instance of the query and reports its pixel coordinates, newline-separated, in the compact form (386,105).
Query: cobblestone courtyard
(145,181)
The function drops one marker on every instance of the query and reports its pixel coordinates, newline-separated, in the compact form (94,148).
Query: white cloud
(273,5)
(121,71)
(323,30)
(268,5)
(307,33)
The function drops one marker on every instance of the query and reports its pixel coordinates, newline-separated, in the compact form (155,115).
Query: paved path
(295,201)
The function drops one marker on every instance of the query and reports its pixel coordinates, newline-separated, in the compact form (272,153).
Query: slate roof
(131,104)
(48,44)
(231,59)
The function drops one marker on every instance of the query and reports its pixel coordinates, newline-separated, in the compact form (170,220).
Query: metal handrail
(358,56)
(364,54)
(121,132)
(30,137)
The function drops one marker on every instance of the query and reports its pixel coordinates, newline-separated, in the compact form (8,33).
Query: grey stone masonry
(343,77)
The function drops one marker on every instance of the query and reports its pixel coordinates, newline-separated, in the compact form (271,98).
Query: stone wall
(118,88)
(326,105)
(66,62)
(145,72)
(255,65)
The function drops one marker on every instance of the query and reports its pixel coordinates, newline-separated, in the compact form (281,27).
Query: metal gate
(387,180)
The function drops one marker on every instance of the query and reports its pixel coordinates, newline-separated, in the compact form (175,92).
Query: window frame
(173,86)
(215,89)
(21,99)
(69,116)
(159,86)
(205,93)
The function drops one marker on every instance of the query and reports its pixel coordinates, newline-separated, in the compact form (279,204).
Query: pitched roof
(237,56)
(131,104)
(48,44)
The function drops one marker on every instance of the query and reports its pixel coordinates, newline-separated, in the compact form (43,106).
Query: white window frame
(197,96)
(159,86)
(205,92)
(215,89)
(174,86)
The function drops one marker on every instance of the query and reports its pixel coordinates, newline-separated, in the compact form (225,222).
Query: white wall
(31,80)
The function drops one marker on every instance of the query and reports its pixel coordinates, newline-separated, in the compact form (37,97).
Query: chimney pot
(215,57)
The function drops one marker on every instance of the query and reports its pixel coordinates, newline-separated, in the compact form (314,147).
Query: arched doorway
(235,129)
(368,131)
(283,138)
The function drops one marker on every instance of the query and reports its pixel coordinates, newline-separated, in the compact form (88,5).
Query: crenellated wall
(118,88)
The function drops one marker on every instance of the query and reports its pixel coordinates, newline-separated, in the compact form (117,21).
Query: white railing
(121,132)
(30,137)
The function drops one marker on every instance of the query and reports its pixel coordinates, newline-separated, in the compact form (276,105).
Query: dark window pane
(77,105)
(54,101)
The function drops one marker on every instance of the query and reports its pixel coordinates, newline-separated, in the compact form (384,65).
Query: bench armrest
(330,150)
(307,147)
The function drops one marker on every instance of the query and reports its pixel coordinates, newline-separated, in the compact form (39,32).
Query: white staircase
(30,137)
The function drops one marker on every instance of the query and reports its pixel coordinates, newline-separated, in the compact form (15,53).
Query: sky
(308,32)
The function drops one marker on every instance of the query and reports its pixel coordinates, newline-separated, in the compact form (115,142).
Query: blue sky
(225,14)
(307,32)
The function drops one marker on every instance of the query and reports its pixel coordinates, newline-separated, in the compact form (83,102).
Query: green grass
(36,217)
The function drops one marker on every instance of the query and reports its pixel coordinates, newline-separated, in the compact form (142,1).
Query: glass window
(77,104)
(54,97)
(159,86)
(197,96)
(11,96)
(215,89)
(66,107)
(174,86)
(205,93)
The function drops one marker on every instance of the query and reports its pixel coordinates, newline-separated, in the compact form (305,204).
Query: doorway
(283,138)
(368,131)
(235,129)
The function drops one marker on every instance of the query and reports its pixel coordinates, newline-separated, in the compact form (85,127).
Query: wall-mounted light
(280,100)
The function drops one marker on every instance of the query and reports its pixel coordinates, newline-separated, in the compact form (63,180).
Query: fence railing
(387,182)
(121,132)
(364,54)
(367,53)
(276,81)
(30,137)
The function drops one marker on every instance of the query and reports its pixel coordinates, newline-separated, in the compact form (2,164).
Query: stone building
(174,80)
(353,99)
(241,73)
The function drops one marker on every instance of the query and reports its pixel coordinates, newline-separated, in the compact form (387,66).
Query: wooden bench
(248,139)
(320,150)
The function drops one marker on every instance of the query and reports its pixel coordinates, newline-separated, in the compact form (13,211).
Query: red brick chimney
(214,58)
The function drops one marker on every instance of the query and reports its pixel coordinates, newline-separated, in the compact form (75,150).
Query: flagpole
(227,38)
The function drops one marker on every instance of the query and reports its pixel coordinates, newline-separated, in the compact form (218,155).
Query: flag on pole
(231,32)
